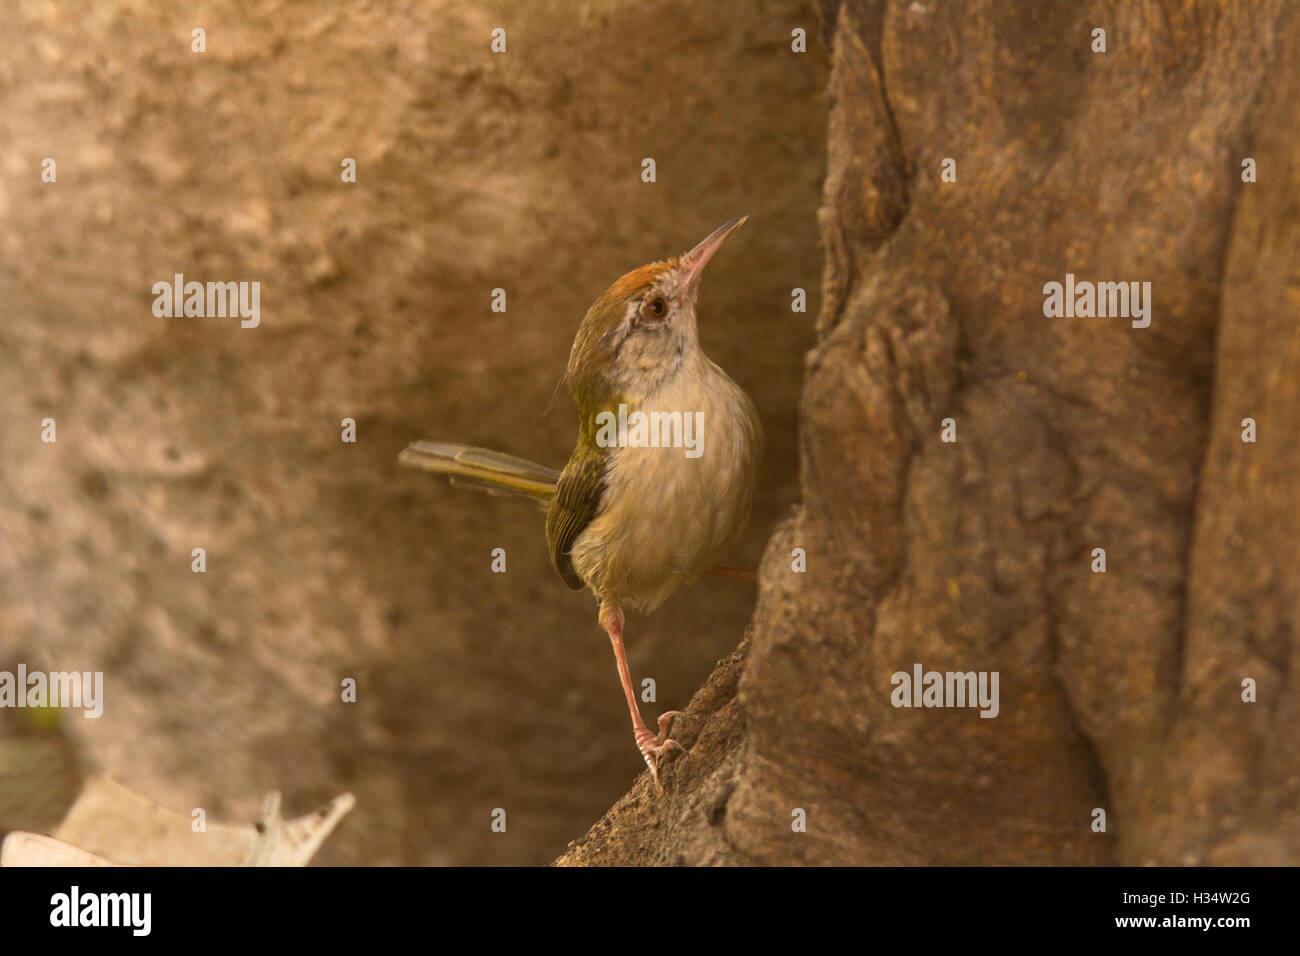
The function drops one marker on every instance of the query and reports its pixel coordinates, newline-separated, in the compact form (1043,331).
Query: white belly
(666,518)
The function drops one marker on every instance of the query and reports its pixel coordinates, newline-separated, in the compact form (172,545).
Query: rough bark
(1119,690)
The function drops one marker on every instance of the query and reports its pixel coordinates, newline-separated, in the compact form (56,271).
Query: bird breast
(669,513)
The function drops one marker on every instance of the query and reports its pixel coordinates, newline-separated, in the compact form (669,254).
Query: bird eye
(658,307)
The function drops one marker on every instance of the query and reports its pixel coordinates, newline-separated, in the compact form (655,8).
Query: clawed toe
(653,746)
(649,743)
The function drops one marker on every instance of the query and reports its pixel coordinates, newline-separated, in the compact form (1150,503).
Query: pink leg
(651,745)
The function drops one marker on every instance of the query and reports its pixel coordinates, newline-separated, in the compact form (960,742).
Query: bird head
(642,331)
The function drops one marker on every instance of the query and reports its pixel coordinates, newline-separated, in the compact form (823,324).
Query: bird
(638,512)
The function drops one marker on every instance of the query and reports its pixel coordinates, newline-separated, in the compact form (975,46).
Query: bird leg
(651,745)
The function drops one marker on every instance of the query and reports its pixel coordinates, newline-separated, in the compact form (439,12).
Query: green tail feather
(483,468)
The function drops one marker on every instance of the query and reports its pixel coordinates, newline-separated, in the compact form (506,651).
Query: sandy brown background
(324,560)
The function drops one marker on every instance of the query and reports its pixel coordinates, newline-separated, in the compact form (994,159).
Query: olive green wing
(576,503)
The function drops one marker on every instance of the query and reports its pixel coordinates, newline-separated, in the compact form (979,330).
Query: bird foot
(653,746)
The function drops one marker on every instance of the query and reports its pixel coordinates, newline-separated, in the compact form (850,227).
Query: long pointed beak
(699,257)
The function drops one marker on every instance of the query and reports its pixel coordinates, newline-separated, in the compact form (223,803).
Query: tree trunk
(1124,690)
